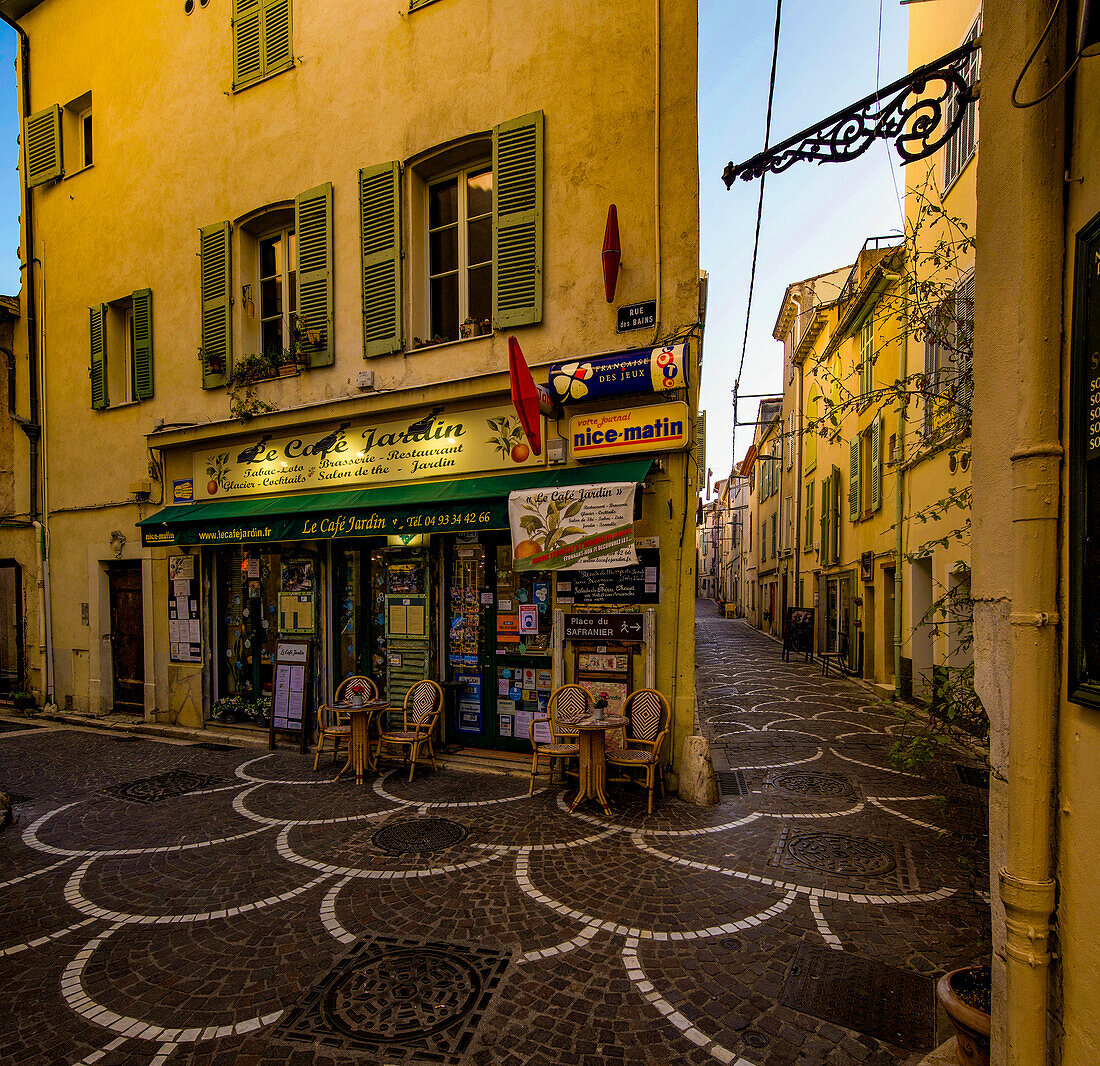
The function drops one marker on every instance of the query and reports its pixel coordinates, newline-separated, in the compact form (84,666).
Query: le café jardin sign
(362,451)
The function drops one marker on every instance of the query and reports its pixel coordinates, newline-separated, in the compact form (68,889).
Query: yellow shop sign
(363,451)
(660,427)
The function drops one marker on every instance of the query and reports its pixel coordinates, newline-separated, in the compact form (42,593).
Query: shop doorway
(838,618)
(127,637)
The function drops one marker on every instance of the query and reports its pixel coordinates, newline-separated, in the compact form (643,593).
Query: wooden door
(127,637)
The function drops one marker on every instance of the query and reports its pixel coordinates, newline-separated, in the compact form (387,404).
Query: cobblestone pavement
(168,904)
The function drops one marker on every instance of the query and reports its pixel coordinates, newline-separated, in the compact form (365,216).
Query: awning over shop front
(429,507)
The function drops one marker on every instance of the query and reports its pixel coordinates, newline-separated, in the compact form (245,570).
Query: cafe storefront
(384,541)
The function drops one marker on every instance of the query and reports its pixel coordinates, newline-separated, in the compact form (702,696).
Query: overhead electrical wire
(759,215)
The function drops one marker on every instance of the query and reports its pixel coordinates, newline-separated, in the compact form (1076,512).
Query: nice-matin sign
(363,452)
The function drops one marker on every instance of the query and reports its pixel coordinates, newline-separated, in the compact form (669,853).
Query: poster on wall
(184,623)
(469,703)
(581,527)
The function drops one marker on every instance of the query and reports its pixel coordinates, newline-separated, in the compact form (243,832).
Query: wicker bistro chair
(423,704)
(568,704)
(647,713)
(332,723)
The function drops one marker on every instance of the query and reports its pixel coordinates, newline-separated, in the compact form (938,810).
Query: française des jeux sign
(652,370)
(361,451)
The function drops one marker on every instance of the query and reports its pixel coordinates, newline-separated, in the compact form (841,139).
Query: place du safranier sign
(363,451)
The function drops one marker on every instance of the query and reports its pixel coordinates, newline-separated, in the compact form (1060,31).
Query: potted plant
(23,701)
(964,995)
(247,371)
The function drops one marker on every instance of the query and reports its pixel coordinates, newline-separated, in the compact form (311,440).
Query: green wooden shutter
(313,226)
(876,463)
(834,516)
(853,481)
(42,139)
(517,222)
(825,500)
(811,488)
(701,451)
(214,288)
(380,249)
(248,52)
(277,50)
(98,370)
(143,344)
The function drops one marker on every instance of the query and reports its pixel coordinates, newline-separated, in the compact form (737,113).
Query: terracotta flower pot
(971,1025)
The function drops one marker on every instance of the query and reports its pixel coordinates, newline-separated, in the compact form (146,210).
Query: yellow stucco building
(278,253)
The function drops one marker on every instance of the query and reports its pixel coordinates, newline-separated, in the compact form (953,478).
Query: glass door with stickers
(498,645)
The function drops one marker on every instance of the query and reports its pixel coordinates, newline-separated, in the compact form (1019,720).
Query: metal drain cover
(890,1004)
(836,853)
(162,786)
(419,836)
(402,1000)
(813,784)
(732,783)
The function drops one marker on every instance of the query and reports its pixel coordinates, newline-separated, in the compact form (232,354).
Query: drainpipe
(1027,885)
(45,626)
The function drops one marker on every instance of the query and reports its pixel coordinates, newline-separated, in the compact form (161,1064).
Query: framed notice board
(184,621)
(291,702)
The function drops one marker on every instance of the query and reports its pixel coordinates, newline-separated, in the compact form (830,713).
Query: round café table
(591,736)
(360,755)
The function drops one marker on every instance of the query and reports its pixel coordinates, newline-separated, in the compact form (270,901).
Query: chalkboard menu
(184,622)
(798,632)
(621,585)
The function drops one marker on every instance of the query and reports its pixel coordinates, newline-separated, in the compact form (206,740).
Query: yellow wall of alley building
(177,149)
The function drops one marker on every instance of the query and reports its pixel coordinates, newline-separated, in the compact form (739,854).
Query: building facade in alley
(286,250)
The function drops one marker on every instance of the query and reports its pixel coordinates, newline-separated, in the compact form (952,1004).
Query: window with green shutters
(261,40)
(517,222)
(214,289)
(853,481)
(834,515)
(313,226)
(809,445)
(866,359)
(811,487)
(121,351)
(42,142)
(98,370)
(876,462)
(826,495)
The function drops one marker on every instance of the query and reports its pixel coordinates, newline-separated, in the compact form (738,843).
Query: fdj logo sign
(183,491)
(667,362)
(652,370)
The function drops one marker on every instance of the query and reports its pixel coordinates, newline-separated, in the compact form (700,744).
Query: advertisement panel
(659,427)
(652,370)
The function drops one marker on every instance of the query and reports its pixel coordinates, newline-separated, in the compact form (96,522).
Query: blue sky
(815,217)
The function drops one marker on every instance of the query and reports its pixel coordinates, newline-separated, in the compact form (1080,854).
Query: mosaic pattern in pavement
(254,920)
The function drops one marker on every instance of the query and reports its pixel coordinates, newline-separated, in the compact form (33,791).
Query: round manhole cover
(756,1039)
(402,993)
(419,836)
(834,853)
(813,783)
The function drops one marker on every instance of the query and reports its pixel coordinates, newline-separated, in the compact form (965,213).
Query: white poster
(581,527)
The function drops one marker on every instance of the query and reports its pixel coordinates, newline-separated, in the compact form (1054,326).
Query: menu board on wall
(184,622)
(623,585)
(290,690)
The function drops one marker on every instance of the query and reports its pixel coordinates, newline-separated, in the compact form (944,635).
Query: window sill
(80,171)
(266,77)
(448,344)
(119,406)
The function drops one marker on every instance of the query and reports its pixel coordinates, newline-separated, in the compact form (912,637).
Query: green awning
(426,507)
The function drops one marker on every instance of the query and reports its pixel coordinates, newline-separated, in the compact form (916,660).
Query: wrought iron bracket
(913,111)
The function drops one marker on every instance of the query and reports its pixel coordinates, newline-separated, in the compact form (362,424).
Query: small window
(85,121)
(460,254)
(76,120)
(122,351)
(960,149)
(278,256)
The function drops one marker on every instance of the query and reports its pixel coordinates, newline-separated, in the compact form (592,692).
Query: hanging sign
(652,370)
(366,451)
(659,427)
(582,527)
